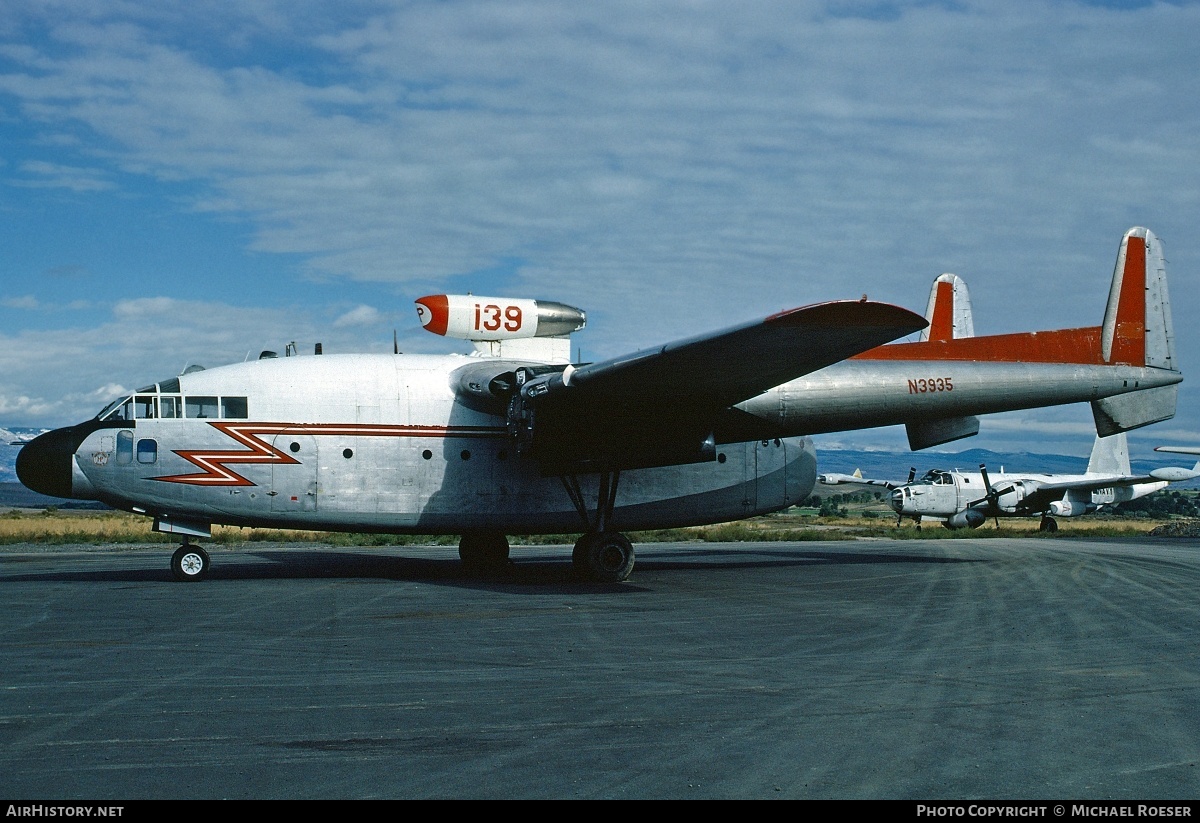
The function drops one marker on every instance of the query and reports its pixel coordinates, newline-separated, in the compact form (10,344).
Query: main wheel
(1048,524)
(483,552)
(189,563)
(606,557)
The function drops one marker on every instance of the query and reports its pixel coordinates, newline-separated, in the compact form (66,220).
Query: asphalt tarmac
(923,669)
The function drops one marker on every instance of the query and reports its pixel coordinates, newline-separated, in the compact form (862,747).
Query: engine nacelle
(966,519)
(483,319)
(1070,508)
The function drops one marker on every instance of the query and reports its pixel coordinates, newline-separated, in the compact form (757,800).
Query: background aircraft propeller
(992,498)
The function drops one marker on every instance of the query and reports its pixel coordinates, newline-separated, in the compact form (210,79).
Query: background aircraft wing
(856,479)
(1048,492)
(659,406)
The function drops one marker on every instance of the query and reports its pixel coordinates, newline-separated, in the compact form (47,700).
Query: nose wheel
(189,563)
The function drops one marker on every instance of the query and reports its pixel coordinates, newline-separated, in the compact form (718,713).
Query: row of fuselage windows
(174,407)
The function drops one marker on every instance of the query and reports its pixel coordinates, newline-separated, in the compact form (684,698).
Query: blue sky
(192,182)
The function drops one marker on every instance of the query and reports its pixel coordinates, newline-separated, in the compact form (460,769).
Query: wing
(1047,493)
(659,406)
(835,479)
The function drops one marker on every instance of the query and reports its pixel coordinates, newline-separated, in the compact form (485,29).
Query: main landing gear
(600,555)
(1048,524)
(190,562)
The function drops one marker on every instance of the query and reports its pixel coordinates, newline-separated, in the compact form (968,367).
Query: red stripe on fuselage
(216,472)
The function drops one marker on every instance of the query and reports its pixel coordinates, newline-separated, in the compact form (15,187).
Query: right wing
(659,406)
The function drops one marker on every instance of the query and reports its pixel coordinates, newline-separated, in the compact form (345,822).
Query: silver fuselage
(382,443)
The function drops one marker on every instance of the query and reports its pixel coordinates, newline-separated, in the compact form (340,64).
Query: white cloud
(359,316)
(668,167)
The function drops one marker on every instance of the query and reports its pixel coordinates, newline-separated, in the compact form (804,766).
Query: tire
(607,557)
(190,563)
(1048,524)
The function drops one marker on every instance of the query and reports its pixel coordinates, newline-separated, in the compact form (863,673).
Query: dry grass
(81,527)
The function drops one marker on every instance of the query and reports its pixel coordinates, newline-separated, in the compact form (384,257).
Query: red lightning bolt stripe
(214,466)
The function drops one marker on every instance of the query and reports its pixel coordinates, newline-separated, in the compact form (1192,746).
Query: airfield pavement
(920,669)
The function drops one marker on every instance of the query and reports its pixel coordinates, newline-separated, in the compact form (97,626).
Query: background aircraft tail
(1110,455)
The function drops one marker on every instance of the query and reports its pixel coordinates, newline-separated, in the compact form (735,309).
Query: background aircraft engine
(1070,508)
(482,319)
(966,519)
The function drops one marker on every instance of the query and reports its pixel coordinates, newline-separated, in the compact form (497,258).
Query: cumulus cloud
(668,167)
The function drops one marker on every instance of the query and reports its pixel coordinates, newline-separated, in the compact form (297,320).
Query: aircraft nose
(897,501)
(44,464)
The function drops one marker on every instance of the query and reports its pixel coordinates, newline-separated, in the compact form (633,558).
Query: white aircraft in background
(516,439)
(966,499)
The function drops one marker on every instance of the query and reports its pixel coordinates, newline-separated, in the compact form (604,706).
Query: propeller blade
(987,483)
(912,473)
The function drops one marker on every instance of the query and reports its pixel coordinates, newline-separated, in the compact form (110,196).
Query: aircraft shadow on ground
(552,570)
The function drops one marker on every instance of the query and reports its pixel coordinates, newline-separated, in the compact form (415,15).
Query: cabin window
(234,408)
(169,407)
(147,451)
(145,407)
(124,447)
(200,407)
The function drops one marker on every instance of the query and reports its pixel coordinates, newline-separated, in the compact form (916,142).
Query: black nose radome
(44,463)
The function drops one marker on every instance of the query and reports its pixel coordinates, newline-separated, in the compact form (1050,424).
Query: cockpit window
(149,406)
(145,407)
(118,410)
(198,406)
(937,477)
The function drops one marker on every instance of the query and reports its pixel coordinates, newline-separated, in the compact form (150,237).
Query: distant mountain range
(883,465)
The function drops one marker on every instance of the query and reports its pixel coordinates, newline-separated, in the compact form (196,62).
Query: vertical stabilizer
(1137,322)
(1110,455)
(949,310)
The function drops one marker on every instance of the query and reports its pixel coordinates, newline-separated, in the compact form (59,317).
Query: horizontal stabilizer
(1123,412)
(925,433)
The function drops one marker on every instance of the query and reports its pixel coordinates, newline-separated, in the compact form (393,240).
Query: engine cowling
(1070,508)
(966,519)
(484,319)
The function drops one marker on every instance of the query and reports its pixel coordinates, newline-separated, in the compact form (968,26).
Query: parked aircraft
(966,499)
(517,439)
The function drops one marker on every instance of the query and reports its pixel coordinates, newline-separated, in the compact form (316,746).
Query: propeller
(992,498)
(912,473)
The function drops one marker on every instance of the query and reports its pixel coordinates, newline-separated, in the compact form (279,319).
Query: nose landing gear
(190,562)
